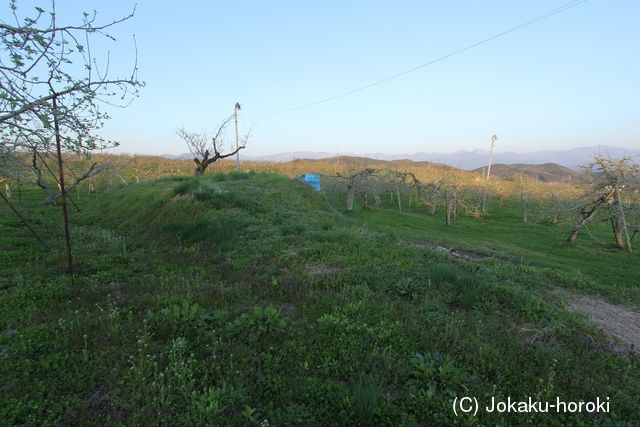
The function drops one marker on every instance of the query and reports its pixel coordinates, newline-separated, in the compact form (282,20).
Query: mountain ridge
(468,160)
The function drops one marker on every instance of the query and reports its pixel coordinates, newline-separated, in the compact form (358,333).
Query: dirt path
(616,320)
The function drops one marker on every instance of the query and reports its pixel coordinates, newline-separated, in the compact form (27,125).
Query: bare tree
(207,150)
(612,181)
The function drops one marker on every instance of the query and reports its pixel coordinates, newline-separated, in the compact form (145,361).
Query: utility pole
(493,140)
(486,188)
(235,118)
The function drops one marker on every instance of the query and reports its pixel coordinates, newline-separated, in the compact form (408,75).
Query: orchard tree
(52,86)
(207,149)
(613,194)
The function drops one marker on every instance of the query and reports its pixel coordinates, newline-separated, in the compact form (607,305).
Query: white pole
(235,118)
(486,187)
(493,140)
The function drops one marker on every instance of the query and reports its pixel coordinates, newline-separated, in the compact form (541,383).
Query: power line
(532,21)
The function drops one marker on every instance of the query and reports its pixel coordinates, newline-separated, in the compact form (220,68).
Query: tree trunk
(376,198)
(399,200)
(7,190)
(455,208)
(484,201)
(63,196)
(587,217)
(622,221)
(434,203)
(525,213)
(617,232)
(350,198)
(365,204)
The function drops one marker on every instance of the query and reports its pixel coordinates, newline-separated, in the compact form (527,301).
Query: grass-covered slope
(246,299)
(548,172)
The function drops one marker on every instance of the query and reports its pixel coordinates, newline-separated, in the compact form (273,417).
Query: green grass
(593,264)
(235,299)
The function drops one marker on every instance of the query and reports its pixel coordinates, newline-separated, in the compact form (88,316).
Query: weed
(467,291)
(260,322)
(443,273)
(367,393)
(438,375)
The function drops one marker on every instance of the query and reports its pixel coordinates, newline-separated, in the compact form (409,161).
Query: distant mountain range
(465,159)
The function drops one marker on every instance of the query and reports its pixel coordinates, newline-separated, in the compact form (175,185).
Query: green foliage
(467,291)
(443,273)
(260,323)
(293,229)
(179,320)
(366,400)
(437,374)
(405,288)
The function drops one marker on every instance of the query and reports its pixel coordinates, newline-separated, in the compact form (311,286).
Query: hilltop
(549,172)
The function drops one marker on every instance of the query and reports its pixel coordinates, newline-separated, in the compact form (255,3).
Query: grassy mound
(240,298)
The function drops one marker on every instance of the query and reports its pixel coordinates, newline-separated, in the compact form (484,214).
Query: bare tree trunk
(349,198)
(501,200)
(447,206)
(434,202)
(523,202)
(376,198)
(622,222)
(7,190)
(587,217)
(63,196)
(484,200)
(365,204)
(455,207)
(618,226)
(399,200)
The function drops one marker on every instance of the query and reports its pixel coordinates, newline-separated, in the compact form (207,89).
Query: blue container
(311,179)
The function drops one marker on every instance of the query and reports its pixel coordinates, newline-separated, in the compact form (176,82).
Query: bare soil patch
(459,253)
(321,269)
(617,320)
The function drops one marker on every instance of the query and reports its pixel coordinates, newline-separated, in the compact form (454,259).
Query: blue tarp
(311,179)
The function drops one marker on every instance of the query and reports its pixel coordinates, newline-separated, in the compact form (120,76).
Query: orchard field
(249,298)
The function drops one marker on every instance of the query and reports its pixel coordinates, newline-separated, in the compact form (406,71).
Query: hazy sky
(571,80)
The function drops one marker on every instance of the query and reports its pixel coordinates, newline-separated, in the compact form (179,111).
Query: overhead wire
(527,23)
